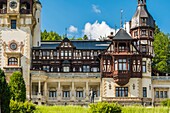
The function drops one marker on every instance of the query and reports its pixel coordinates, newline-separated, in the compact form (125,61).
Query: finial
(115,28)
(143,2)
(125,24)
(121,18)
(65,32)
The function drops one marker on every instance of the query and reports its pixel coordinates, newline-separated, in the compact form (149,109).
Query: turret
(37,30)
(142,28)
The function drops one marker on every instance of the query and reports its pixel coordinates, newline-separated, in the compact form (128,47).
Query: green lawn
(77,109)
(61,109)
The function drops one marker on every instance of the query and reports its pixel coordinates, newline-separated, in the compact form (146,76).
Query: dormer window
(143,20)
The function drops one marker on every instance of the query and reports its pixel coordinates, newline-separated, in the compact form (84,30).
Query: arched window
(13,61)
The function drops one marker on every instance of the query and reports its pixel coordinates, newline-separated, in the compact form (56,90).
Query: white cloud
(96,30)
(73,29)
(96,9)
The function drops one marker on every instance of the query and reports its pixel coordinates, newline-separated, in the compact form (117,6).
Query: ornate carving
(13,45)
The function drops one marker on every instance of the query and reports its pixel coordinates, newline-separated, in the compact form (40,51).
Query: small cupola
(141,2)
(142,17)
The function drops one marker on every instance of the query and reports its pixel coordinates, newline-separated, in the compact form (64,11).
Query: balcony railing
(3,11)
(36,73)
(25,11)
(38,97)
(161,78)
(52,98)
(80,98)
(12,69)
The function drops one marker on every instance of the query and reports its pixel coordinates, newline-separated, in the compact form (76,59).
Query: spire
(141,2)
(121,18)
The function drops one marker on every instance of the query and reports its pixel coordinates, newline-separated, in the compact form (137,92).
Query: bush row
(22,107)
(104,107)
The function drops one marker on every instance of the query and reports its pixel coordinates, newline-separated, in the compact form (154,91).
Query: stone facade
(66,72)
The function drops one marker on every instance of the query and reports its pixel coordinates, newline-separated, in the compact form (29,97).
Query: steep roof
(142,12)
(122,35)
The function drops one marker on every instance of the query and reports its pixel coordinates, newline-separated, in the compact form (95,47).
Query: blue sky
(84,15)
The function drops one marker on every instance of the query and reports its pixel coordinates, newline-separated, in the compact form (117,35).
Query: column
(153,95)
(169,93)
(45,90)
(39,87)
(59,91)
(72,91)
(87,91)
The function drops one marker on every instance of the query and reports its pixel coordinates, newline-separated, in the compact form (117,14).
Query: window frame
(13,24)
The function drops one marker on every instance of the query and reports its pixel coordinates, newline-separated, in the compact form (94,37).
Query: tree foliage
(4,94)
(50,36)
(17,87)
(161,61)
(53,36)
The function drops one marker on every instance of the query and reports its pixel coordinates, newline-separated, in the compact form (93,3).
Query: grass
(78,109)
(139,109)
(61,109)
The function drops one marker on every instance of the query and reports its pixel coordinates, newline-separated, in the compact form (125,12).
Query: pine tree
(4,94)
(17,87)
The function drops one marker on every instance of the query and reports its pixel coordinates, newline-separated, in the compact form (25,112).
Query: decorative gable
(66,43)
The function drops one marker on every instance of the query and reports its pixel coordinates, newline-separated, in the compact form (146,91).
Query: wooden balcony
(121,77)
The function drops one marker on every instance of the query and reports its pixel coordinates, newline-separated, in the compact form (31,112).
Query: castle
(64,72)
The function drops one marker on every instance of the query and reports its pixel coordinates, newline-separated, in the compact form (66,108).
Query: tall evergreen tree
(4,94)
(17,87)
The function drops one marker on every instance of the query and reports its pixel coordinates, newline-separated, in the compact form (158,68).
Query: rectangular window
(52,94)
(161,94)
(79,94)
(144,91)
(151,33)
(46,68)
(165,94)
(121,91)
(66,94)
(144,66)
(66,69)
(13,24)
(86,68)
(143,32)
(122,65)
(136,33)
(143,48)
(157,94)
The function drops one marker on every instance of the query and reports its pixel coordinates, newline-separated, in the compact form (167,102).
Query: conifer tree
(17,87)
(4,94)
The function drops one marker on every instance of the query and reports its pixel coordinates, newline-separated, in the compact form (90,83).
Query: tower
(19,20)
(142,28)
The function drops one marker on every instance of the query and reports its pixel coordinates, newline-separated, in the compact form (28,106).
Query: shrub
(17,87)
(166,102)
(104,107)
(20,107)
